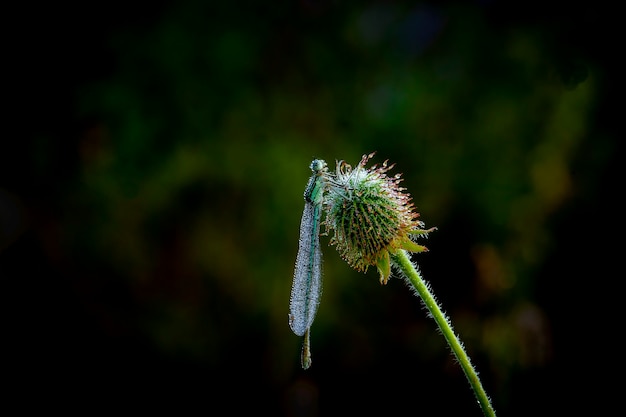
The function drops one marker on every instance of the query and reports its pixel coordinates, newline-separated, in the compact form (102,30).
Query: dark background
(152,167)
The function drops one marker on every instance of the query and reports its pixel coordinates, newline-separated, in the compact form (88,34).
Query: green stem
(401,259)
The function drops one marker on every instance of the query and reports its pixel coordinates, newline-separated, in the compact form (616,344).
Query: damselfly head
(318,166)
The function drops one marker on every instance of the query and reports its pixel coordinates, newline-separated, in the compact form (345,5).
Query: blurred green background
(151,193)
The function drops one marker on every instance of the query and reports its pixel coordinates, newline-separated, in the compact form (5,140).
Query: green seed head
(371,216)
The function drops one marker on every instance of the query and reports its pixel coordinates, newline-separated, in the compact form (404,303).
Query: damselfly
(306,289)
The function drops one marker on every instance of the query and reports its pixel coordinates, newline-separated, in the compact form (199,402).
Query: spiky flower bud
(371,216)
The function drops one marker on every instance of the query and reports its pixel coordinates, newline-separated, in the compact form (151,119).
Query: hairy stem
(402,261)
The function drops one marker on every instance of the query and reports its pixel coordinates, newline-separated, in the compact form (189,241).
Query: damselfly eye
(318,165)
